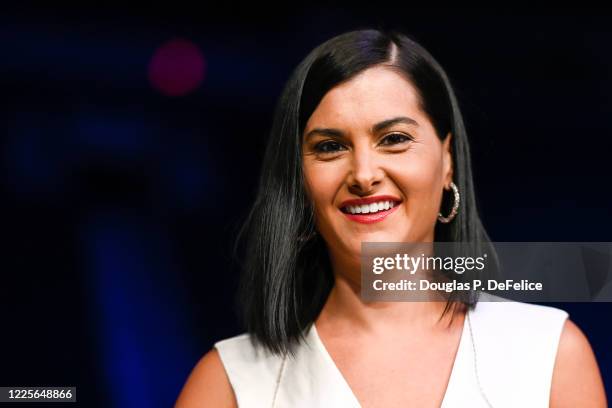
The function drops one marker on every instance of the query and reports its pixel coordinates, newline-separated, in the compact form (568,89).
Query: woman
(368,145)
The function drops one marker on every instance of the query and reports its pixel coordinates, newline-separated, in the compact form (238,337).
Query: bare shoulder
(207,385)
(576,378)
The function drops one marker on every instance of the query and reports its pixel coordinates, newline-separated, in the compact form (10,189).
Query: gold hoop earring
(455,209)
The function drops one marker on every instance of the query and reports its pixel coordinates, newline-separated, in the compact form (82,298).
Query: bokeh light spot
(177,67)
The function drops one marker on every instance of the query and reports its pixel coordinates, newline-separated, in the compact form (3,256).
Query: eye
(395,138)
(328,146)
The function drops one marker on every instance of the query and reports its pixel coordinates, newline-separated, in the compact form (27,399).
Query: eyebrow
(376,128)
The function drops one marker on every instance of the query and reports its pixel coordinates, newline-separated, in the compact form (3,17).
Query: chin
(383,236)
(355,246)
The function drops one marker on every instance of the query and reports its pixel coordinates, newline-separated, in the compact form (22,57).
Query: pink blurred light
(177,67)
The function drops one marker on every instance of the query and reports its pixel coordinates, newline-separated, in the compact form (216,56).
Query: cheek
(323,181)
(420,178)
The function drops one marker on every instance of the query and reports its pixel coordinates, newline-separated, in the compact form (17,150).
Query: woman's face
(368,147)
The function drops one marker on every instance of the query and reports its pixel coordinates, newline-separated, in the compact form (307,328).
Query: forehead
(373,95)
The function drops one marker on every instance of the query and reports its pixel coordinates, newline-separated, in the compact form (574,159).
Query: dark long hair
(286,275)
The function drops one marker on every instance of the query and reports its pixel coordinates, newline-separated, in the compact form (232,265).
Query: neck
(344,307)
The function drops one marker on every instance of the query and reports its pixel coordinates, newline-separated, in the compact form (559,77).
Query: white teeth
(370,208)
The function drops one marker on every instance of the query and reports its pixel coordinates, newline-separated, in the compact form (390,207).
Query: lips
(368,210)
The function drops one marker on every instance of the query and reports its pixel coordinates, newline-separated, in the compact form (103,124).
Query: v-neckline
(349,391)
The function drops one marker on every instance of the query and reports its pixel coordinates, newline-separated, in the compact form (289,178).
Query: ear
(447,160)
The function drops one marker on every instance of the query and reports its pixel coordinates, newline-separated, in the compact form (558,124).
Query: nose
(365,173)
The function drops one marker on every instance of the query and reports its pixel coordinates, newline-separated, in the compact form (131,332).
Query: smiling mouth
(372,208)
(370,212)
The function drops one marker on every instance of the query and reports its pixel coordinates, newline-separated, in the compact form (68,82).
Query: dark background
(121,202)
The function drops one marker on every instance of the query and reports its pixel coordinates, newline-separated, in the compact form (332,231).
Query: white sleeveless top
(505,358)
